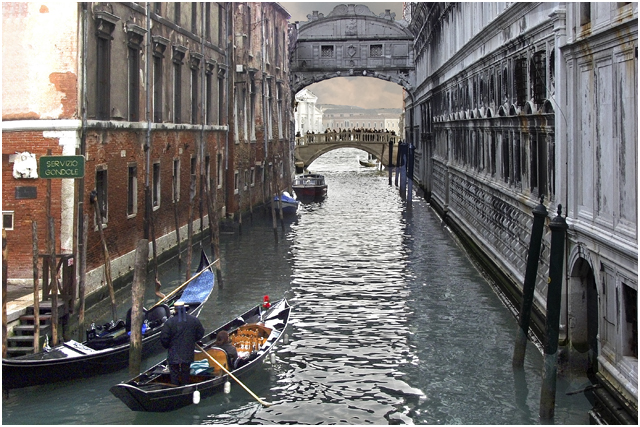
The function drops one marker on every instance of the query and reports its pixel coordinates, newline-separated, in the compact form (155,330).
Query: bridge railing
(346,137)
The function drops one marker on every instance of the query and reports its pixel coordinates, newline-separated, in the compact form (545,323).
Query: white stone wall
(483,148)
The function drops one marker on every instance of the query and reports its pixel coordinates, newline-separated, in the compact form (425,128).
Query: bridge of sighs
(351,41)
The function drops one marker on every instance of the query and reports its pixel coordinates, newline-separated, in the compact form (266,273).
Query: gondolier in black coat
(180,334)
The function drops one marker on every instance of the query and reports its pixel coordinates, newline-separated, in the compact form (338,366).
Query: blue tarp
(199,289)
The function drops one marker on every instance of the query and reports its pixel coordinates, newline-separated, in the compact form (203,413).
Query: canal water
(392,324)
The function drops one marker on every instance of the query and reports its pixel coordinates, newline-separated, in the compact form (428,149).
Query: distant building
(348,117)
(308,116)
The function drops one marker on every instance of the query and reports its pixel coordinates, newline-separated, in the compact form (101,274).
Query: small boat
(370,163)
(311,186)
(254,334)
(107,348)
(289,204)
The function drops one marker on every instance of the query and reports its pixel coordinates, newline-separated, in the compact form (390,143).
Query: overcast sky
(366,92)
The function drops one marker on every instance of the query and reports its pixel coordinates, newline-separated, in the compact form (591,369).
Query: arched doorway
(583,318)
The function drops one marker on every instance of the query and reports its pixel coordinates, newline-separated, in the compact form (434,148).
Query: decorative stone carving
(346,47)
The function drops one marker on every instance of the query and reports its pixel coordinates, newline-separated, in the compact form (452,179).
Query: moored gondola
(254,334)
(107,349)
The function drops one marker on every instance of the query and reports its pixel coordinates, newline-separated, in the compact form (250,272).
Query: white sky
(365,92)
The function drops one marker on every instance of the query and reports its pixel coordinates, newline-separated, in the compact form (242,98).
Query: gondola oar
(184,284)
(262,402)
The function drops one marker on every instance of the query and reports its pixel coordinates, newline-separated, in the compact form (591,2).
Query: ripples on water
(392,323)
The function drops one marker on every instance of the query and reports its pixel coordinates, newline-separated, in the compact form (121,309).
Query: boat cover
(198,291)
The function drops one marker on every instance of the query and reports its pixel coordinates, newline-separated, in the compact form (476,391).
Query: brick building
(159,102)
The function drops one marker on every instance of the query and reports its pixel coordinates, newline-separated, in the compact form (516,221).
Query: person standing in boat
(179,335)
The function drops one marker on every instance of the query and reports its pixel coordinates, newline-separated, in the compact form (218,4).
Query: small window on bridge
(326,52)
(375,50)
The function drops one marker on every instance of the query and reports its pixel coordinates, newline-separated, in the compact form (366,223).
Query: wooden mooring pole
(83,278)
(53,280)
(176,218)
(137,299)
(403,170)
(97,206)
(529,285)
(214,231)
(558,226)
(192,196)
(5,268)
(36,289)
(273,215)
(390,162)
(410,155)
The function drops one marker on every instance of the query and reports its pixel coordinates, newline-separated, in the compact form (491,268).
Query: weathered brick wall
(127,147)
(26,211)
(39,71)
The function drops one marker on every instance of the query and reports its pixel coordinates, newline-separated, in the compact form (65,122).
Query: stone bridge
(311,146)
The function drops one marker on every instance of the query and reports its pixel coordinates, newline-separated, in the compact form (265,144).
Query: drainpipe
(147,142)
(81,183)
(203,117)
(264,97)
(230,73)
(410,152)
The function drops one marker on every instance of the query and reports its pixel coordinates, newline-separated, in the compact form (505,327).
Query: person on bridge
(179,335)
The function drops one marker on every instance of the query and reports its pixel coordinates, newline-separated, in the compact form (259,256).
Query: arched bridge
(351,41)
(311,146)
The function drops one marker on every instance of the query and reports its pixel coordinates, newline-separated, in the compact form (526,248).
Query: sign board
(61,167)
(26,193)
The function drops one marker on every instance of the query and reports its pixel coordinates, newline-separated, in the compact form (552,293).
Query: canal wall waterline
(511,290)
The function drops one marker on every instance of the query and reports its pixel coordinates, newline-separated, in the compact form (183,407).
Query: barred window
(132,190)
(520,81)
(539,76)
(326,51)
(375,50)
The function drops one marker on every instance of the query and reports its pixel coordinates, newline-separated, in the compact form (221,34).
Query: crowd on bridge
(345,135)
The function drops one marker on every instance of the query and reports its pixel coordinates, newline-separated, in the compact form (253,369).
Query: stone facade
(149,97)
(520,101)
(350,41)
(308,117)
(347,117)
(262,143)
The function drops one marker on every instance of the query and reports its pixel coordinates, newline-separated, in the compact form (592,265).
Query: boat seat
(218,354)
(156,314)
(248,338)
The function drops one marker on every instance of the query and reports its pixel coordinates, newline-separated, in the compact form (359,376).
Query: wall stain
(66,83)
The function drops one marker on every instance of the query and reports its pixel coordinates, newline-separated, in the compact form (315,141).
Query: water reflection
(392,325)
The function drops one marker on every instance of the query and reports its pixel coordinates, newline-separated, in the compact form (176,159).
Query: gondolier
(179,335)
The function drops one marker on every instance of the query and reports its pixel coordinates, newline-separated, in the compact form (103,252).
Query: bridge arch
(311,146)
(333,147)
(351,41)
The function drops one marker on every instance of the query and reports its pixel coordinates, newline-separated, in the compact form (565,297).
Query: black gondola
(254,334)
(107,349)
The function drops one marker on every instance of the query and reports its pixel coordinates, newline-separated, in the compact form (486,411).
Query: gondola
(254,334)
(107,348)
(289,204)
